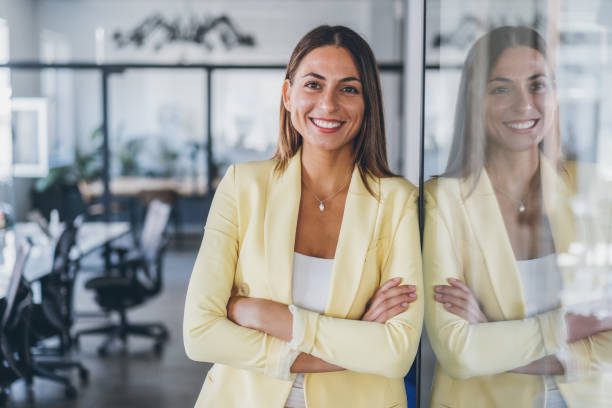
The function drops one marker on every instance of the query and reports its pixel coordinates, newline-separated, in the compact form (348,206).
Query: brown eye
(499,90)
(312,85)
(350,89)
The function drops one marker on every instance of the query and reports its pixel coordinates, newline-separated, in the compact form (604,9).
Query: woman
(496,221)
(323,227)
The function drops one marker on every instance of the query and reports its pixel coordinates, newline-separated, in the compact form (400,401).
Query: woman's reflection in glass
(495,222)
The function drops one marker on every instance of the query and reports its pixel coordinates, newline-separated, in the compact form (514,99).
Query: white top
(310,290)
(542,286)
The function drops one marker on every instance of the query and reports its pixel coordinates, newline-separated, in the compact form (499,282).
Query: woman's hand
(389,301)
(458,299)
(581,326)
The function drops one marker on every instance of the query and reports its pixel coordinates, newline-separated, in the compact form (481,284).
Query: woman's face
(326,99)
(520,103)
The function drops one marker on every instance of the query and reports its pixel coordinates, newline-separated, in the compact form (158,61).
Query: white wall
(21,16)
(277,26)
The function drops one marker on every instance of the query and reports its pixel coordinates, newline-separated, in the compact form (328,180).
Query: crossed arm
(209,334)
(276,320)
(463,345)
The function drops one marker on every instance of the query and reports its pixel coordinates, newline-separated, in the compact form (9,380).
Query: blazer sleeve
(208,334)
(467,350)
(369,347)
(588,357)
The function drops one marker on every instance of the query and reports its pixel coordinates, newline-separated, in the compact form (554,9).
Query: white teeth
(326,124)
(521,125)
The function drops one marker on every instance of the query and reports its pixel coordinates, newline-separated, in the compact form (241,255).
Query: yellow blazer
(465,238)
(248,244)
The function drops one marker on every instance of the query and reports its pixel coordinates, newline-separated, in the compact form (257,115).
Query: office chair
(53,317)
(14,312)
(135,276)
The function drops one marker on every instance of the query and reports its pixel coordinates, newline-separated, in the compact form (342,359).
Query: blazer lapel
(280,226)
(490,232)
(356,231)
(556,195)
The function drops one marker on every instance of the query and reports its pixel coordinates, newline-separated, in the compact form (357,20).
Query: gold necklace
(522,202)
(321,205)
(521,208)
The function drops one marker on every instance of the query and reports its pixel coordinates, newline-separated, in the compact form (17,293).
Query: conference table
(91,236)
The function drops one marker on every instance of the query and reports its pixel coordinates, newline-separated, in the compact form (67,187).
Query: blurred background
(107,106)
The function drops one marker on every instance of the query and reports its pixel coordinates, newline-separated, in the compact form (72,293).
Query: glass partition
(245,106)
(518,193)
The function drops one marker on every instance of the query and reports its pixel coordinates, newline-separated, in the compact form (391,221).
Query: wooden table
(164,188)
(91,236)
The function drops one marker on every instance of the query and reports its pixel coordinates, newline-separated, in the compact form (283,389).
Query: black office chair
(134,277)
(53,317)
(14,312)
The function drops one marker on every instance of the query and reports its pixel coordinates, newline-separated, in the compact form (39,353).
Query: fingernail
(412,286)
(437,288)
(438,296)
(405,304)
(447,305)
(412,295)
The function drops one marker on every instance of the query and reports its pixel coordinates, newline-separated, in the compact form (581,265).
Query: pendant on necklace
(321,206)
(522,208)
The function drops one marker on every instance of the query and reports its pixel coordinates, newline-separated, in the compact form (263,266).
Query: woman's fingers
(390,303)
(386,286)
(457,283)
(452,291)
(392,312)
(451,299)
(457,310)
(382,298)
(389,284)
(459,300)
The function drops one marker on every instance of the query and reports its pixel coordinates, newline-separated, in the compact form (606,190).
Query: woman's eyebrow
(314,74)
(321,77)
(502,79)
(537,76)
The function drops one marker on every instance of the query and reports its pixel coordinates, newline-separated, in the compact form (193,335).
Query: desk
(91,236)
(163,188)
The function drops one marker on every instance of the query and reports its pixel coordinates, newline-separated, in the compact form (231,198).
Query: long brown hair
(468,149)
(370,152)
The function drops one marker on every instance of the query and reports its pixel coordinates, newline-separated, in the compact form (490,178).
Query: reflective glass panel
(518,225)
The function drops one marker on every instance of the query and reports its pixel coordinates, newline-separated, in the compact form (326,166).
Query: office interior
(113,110)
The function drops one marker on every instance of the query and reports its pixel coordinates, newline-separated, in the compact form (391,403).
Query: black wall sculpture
(197,31)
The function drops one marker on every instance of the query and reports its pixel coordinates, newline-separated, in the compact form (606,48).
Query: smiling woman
(498,223)
(307,285)
(327,111)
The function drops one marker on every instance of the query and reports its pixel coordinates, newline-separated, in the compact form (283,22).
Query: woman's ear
(286,93)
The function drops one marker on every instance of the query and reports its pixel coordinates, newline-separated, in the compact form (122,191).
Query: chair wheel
(165,335)
(84,375)
(158,347)
(3,398)
(102,352)
(70,392)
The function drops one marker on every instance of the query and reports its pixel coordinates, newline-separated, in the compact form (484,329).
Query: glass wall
(157,126)
(518,193)
(245,106)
